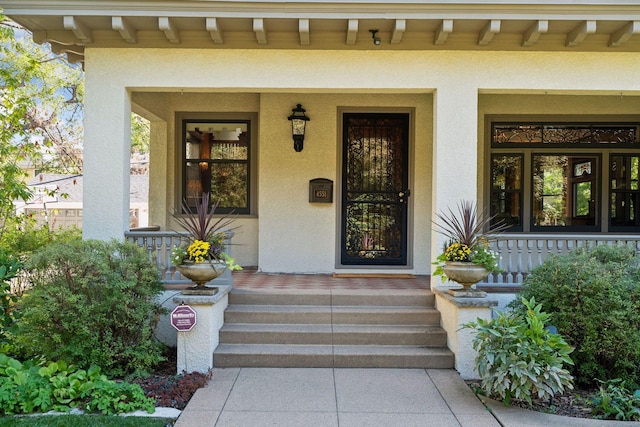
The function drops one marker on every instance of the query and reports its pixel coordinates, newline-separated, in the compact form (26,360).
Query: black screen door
(374,189)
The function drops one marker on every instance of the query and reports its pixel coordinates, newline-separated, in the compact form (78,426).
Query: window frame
(251,121)
(602,151)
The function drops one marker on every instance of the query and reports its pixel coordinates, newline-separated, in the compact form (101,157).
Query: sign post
(183,318)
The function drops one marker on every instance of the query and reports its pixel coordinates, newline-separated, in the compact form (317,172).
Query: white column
(159,172)
(455,152)
(107,140)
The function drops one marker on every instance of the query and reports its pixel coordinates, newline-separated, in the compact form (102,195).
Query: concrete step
(323,356)
(421,298)
(242,333)
(308,314)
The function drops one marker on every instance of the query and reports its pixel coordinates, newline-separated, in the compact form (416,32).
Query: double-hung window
(216,159)
(565,177)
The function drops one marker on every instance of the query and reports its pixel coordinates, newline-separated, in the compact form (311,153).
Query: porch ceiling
(556,25)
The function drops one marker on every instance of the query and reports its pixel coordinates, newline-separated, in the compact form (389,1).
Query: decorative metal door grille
(374,189)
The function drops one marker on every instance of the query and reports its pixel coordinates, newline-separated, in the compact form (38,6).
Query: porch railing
(520,253)
(159,245)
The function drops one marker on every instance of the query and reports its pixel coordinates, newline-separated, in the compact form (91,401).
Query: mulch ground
(169,389)
(573,403)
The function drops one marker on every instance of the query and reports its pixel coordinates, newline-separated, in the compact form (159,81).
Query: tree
(40,114)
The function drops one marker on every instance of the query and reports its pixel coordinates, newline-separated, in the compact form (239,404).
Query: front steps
(347,329)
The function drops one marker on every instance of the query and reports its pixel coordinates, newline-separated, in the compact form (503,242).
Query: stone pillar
(455,153)
(455,312)
(107,140)
(196,347)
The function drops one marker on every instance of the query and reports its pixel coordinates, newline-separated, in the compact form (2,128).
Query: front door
(374,189)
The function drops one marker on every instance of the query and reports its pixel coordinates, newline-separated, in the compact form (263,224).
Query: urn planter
(201,273)
(466,274)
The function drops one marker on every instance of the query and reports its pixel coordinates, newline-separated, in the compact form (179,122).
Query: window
(216,159)
(550,176)
(624,192)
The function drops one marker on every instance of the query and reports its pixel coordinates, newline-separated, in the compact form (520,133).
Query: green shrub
(519,358)
(92,303)
(28,387)
(615,400)
(9,267)
(593,296)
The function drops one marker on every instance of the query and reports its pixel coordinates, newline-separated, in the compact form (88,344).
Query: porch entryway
(323,321)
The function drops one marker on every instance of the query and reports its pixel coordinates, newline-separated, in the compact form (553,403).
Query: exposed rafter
(170,30)
(489,30)
(442,33)
(399,27)
(214,31)
(303,29)
(258,29)
(352,31)
(623,35)
(80,30)
(531,36)
(124,27)
(579,33)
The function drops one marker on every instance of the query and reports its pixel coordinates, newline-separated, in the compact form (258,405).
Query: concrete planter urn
(201,273)
(467,274)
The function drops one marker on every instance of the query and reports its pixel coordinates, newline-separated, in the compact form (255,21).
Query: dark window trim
(514,228)
(248,118)
(567,228)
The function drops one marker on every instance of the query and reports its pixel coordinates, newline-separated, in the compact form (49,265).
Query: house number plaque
(321,190)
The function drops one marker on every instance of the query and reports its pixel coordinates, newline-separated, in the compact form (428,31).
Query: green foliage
(519,358)
(85,421)
(27,387)
(615,400)
(593,296)
(40,114)
(93,303)
(9,267)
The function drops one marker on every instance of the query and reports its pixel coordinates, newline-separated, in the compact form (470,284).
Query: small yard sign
(183,318)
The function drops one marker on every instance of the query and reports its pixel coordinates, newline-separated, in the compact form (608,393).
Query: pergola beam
(442,33)
(258,29)
(124,27)
(623,35)
(579,33)
(399,27)
(167,26)
(531,36)
(303,29)
(352,31)
(79,30)
(214,31)
(489,30)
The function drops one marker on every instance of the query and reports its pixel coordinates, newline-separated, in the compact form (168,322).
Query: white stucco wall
(450,91)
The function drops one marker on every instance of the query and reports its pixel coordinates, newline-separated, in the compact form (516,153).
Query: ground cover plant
(593,298)
(91,303)
(30,387)
(519,358)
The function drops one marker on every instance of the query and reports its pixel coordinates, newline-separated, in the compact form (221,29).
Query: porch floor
(256,281)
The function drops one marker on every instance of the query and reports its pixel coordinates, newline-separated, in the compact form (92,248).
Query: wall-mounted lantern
(298,123)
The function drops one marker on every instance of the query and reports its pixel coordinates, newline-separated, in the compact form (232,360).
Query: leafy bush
(9,267)
(93,303)
(593,296)
(615,400)
(28,387)
(519,358)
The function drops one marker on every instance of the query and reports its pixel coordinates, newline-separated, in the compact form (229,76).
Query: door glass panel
(506,187)
(624,191)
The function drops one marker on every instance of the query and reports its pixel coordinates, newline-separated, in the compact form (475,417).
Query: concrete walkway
(327,397)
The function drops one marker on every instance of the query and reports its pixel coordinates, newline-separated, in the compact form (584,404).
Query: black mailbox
(321,190)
